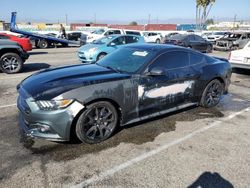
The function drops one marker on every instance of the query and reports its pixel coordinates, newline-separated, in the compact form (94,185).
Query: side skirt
(162,112)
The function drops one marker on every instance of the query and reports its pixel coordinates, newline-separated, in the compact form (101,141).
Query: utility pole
(66,19)
(95,18)
(149,18)
(234,22)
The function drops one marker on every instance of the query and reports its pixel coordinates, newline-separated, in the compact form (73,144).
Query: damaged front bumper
(50,125)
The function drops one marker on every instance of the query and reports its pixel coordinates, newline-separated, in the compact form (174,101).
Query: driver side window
(119,41)
(172,60)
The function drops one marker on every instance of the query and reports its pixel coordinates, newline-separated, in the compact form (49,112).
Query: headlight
(91,50)
(53,104)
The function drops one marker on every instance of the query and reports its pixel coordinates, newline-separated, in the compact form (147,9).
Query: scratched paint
(168,90)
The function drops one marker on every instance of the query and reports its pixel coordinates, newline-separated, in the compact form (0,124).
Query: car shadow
(241,71)
(31,67)
(136,133)
(211,180)
(37,53)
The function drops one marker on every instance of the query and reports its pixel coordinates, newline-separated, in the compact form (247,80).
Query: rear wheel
(209,49)
(158,41)
(43,44)
(11,63)
(212,94)
(97,122)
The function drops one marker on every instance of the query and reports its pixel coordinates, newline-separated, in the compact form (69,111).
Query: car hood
(50,83)
(87,47)
(7,42)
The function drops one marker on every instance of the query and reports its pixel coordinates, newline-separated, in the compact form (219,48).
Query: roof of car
(153,47)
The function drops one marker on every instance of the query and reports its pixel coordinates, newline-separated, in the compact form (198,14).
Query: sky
(118,10)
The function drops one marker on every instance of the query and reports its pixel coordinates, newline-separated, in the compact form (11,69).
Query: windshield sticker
(138,53)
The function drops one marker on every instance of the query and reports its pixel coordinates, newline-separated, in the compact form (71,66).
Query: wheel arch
(74,122)
(9,50)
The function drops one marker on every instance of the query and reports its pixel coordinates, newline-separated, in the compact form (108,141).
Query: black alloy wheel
(97,122)
(11,63)
(212,94)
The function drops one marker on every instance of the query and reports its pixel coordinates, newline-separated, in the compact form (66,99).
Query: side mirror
(156,71)
(112,44)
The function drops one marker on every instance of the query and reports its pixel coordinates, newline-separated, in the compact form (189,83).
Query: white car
(152,37)
(213,37)
(240,58)
(100,33)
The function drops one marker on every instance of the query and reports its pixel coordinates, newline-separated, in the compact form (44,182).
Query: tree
(133,23)
(203,8)
(209,22)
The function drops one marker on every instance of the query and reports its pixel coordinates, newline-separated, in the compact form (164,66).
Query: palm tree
(203,8)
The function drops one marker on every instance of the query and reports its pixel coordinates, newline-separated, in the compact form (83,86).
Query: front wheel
(97,122)
(11,63)
(158,41)
(212,94)
(100,56)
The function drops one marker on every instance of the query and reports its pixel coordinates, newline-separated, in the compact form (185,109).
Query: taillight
(229,56)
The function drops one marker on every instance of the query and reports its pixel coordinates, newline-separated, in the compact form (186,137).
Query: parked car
(74,36)
(240,58)
(134,83)
(163,40)
(24,42)
(83,39)
(97,34)
(191,41)
(93,52)
(213,37)
(232,41)
(12,56)
(152,37)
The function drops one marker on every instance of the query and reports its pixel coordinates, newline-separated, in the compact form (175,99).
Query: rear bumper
(240,65)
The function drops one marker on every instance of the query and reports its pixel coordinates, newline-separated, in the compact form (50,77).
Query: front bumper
(50,125)
(86,57)
(24,55)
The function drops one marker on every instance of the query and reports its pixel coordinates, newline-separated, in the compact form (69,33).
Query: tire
(212,94)
(11,63)
(157,41)
(97,123)
(43,44)
(100,56)
(209,49)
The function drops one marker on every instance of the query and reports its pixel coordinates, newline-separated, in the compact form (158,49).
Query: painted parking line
(8,105)
(151,153)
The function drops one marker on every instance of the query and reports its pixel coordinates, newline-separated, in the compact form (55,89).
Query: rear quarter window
(196,58)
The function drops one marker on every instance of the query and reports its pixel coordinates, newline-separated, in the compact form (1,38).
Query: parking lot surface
(190,148)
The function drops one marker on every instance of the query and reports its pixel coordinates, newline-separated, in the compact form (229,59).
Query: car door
(174,87)
(194,43)
(203,45)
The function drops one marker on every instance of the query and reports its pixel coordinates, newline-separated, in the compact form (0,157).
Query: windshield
(103,40)
(177,37)
(127,60)
(98,32)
